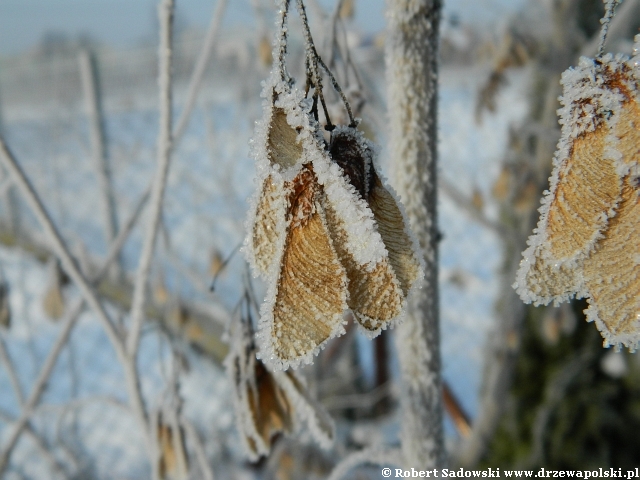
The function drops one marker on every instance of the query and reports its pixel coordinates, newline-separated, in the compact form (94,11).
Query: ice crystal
(585,242)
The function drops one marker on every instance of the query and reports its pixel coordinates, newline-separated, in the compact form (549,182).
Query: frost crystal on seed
(586,239)
(324,230)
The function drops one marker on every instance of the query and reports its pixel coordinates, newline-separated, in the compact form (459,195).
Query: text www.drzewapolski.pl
(498,473)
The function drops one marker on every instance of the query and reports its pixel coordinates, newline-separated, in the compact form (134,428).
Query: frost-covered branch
(11,371)
(412,70)
(93,104)
(466,204)
(623,25)
(199,70)
(58,244)
(157,192)
(198,448)
(369,456)
(40,384)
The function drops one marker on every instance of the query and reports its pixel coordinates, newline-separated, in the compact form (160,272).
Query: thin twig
(11,371)
(45,452)
(610,9)
(58,244)
(38,389)
(358,400)
(282,41)
(199,70)
(160,181)
(315,61)
(198,448)
(467,206)
(40,384)
(333,43)
(368,456)
(621,26)
(90,86)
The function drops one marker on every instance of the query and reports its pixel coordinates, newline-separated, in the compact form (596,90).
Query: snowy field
(206,201)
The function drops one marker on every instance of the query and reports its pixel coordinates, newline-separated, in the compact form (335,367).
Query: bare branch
(412,73)
(40,384)
(369,456)
(198,71)
(96,119)
(38,388)
(467,206)
(198,448)
(623,25)
(157,192)
(58,244)
(11,371)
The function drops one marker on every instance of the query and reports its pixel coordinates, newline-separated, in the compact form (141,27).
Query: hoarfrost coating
(588,216)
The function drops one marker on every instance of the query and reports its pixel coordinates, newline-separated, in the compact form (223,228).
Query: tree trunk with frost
(412,68)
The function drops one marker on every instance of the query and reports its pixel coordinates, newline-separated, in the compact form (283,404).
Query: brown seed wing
(392,230)
(588,187)
(264,237)
(282,146)
(271,410)
(311,296)
(612,273)
(375,297)
(548,281)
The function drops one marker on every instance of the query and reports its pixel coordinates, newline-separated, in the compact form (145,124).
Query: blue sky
(127,22)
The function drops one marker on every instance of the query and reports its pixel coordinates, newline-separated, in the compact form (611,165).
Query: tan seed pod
(277,151)
(282,147)
(393,229)
(347,9)
(271,410)
(588,188)
(264,51)
(586,182)
(375,297)
(376,292)
(612,274)
(215,262)
(502,185)
(310,294)
(265,228)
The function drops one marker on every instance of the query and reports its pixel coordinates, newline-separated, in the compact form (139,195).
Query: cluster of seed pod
(324,230)
(586,242)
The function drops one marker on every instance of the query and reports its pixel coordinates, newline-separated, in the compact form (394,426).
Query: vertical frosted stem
(93,105)
(165,13)
(412,68)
